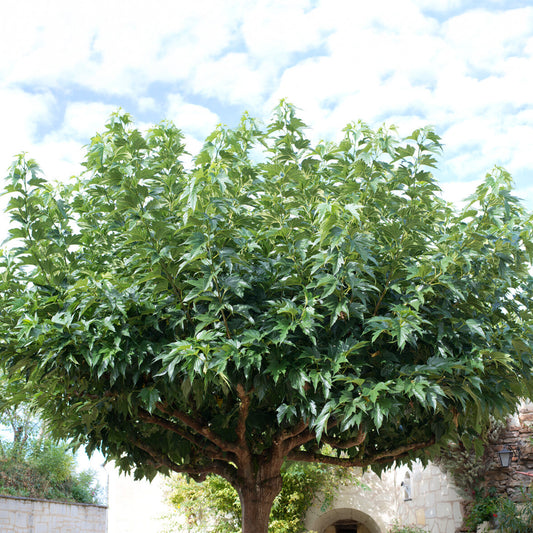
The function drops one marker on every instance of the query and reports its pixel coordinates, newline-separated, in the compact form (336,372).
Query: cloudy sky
(464,66)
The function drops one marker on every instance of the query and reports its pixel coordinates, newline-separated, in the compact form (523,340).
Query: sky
(463,66)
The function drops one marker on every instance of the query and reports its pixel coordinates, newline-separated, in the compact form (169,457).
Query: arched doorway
(344,526)
(345,520)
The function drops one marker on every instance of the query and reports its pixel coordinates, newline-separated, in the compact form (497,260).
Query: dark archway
(346,520)
(346,526)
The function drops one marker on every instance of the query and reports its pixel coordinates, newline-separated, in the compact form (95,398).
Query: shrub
(484,508)
(33,465)
(515,517)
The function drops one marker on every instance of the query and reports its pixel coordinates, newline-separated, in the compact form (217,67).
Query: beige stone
(420,517)
(28,515)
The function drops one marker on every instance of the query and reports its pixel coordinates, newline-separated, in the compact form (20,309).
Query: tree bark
(257,496)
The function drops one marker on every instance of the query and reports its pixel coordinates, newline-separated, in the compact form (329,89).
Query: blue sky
(465,67)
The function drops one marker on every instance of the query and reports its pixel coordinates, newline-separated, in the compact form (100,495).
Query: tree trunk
(257,497)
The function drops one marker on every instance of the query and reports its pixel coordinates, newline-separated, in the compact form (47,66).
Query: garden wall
(28,515)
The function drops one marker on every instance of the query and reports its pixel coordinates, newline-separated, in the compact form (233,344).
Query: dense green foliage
(33,465)
(507,515)
(215,503)
(513,517)
(273,296)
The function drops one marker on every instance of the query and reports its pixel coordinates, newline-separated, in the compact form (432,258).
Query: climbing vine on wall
(467,463)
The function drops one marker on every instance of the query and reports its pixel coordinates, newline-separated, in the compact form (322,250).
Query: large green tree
(223,314)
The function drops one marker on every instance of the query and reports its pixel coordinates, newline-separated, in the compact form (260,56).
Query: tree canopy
(221,314)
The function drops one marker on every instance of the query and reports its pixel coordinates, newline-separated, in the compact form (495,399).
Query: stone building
(426,496)
(421,496)
(517,438)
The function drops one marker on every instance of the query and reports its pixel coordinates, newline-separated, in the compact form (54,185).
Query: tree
(18,420)
(214,505)
(267,299)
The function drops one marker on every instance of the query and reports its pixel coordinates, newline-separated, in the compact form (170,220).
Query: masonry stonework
(28,515)
(512,482)
(418,495)
(425,496)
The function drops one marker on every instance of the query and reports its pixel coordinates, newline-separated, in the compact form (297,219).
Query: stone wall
(371,503)
(28,515)
(517,436)
(419,495)
(434,502)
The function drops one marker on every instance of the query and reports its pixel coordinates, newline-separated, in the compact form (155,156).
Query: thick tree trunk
(257,497)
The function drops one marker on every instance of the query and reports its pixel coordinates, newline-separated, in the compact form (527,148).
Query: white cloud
(191,118)
(84,119)
(21,114)
(147,103)
(40,41)
(400,62)
(486,39)
(457,192)
(109,48)
(525,194)
(59,159)
(272,30)
(232,79)
(440,5)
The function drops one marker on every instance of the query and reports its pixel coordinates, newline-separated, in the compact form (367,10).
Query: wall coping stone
(25,498)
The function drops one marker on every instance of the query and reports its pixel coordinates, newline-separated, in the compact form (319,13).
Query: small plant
(484,509)
(516,517)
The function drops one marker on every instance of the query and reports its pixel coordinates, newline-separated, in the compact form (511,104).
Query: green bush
(508,515)
(484,508)
(515,517)
(53,460)
(20,478)
(33,465)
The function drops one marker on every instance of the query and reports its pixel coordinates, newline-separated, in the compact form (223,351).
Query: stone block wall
(516,436)
(28,515)
(433,501)
(418,495)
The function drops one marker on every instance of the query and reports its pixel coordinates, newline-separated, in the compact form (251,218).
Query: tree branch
(385,457)
(199,472)
(306,436)
(401,451)
(285,434)
(244,410)
(344,445)
(199,428)
(159,458)
(213,451)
